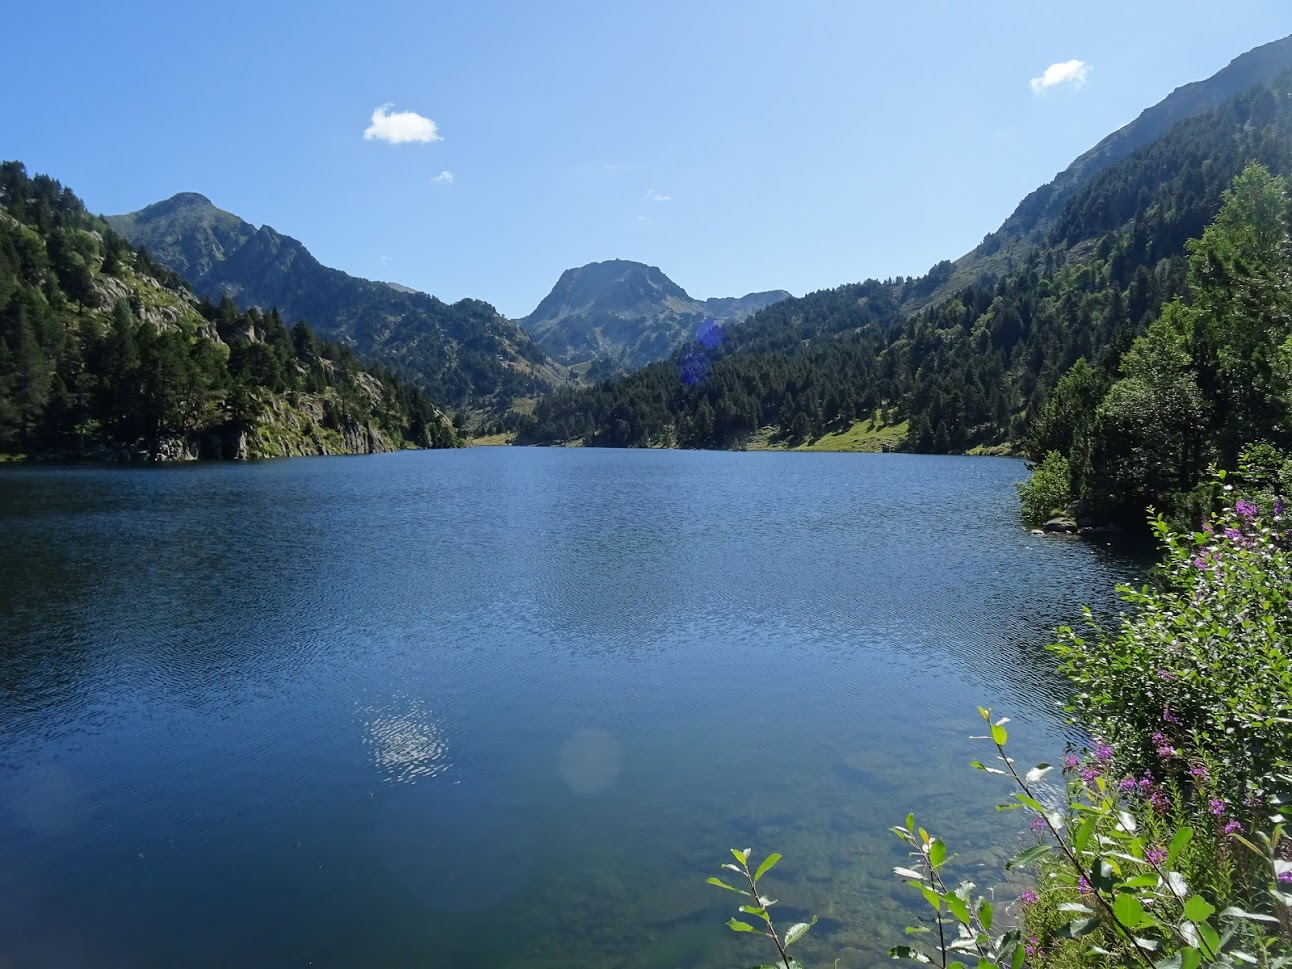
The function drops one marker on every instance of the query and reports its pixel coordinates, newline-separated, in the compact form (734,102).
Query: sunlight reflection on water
(406,743)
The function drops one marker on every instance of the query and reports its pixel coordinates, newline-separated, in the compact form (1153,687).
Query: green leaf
(1178,843)
(932,897)
(1210,936)
(1237,913)
(1029,801)
(738,926)
(1076,907)
(937,852)
(1019,957)
(984,914)
(721,884)
(797,931)
(1077,928)
(766,866)
(1141,881)
(1129,911)
(1034,853)
(742,857)
(759,912)
(1084,831)
(1190,959)
(907,952)
(1102,877)
(957,907)
(999,735)
(1198,909)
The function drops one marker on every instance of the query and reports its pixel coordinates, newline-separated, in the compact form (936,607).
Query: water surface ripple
(503,707)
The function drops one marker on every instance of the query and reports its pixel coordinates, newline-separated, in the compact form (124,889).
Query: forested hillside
(105,354)
(463,354)
(1209,383)
(976,369)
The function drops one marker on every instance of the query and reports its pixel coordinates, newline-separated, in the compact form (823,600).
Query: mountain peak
(626,311)
(611,286)
(188,198)
(176,203)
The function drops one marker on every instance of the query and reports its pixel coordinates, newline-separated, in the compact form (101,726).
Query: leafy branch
(760,906)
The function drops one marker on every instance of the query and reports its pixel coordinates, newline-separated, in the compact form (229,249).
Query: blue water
(505,707)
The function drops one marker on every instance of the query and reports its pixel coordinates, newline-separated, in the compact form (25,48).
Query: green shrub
(1048,491)
(1202,660)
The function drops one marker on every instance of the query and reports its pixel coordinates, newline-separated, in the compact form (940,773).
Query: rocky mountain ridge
(463,354)
(628,313)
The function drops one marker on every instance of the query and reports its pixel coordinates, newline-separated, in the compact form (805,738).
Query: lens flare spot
(694,367)
(710,333)
(589,761)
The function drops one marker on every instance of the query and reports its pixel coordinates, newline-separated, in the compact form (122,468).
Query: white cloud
(645,219)
(654,196)
(1069,72)
(445,177)
(398,127)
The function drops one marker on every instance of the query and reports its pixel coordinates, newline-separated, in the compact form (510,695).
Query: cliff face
(296,428)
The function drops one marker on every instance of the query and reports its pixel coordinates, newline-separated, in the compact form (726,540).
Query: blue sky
(736,145)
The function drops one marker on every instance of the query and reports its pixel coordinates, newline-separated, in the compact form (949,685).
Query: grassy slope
(494,440)
(866,436)
(869,436)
